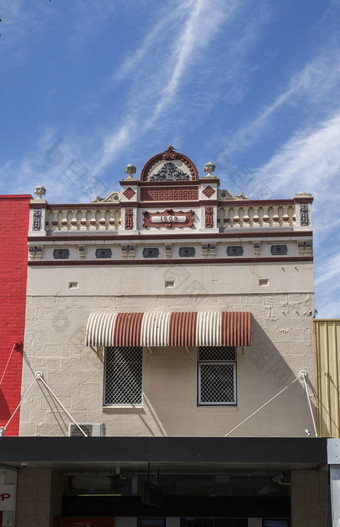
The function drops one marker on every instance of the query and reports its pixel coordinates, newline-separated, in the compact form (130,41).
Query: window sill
(130,409)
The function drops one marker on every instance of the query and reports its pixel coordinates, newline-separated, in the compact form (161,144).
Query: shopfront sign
(7,497)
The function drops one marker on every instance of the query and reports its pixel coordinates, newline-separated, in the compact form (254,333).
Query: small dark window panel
(103,253)
(235,250)
(61,254)
(186,252)
(278,249)
(151,252)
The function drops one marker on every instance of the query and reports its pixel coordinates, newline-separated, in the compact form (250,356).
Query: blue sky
(252,86)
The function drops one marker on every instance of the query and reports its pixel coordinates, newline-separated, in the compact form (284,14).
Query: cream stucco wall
(193,279)
(282,345)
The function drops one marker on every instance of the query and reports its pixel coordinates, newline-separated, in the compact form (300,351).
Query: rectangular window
(123,380)
(217,376)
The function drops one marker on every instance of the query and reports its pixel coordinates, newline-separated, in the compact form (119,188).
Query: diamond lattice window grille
(123,376)
(219,353)
(217,375)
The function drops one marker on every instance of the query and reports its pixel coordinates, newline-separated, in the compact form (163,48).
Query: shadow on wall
(267,370)
(4,409)
(264,369)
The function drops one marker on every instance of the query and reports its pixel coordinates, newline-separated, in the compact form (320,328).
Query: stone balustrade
(54,219)
(90,219)
(248,215)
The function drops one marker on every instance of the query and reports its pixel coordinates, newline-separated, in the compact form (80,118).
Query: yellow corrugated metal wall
(327,352)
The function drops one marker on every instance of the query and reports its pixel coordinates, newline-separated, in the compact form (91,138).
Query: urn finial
(39,191)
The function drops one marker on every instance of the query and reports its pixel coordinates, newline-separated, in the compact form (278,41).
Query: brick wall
(14,216)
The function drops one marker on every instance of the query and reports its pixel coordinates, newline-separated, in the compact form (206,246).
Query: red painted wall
(14,217)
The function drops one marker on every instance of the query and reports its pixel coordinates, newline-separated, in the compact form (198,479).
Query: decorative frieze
(128,219)
(209,221)
(304,218)
(37,215)
(94,249)
(169,194)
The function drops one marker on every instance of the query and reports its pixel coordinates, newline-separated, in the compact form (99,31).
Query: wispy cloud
(327,284)
(55,163)
(314,84)
(329,271)
(18,24)
(310,161)
(183,44)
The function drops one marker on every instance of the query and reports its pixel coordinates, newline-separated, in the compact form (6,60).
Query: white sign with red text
(7,497)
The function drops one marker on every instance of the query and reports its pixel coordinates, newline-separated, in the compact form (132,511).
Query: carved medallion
(169,172)
(208,191)
(129,193)
(169,218)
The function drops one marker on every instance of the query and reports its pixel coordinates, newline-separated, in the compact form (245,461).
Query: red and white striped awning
(207,328)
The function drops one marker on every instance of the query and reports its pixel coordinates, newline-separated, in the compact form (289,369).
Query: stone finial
(130,169)
(209,168)
(39,191)
(302,194)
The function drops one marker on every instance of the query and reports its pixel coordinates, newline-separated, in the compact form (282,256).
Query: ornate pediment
(169,172)
(169,166)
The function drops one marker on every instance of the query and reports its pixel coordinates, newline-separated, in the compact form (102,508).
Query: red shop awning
(170,329)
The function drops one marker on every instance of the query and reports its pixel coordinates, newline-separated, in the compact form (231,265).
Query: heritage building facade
(166,316)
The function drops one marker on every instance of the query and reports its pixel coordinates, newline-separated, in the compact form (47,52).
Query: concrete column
(34,498)
(333,458)
(335,494)
(305,500)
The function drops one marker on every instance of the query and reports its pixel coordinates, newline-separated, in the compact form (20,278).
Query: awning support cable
(17,408)
(261,407)
(9,358)
(303,374)
(39,377)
